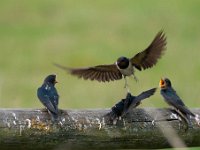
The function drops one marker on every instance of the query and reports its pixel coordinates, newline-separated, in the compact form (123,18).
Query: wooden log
(146,128)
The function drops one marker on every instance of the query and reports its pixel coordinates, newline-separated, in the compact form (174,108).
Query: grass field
(34,34)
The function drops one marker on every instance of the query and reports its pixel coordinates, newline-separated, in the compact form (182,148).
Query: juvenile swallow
(123,66)
(135,101)
(48,96)
(125,105)
(170,96)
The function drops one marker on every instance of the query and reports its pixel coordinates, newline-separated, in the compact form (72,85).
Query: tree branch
(89,129)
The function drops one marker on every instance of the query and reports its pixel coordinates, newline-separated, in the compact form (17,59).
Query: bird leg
(126,86)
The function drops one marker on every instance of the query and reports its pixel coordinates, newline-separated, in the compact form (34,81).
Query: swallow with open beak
(170,96)
(123,66)
(48,96)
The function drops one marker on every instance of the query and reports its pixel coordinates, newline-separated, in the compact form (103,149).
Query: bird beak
(162,83)
(56,82)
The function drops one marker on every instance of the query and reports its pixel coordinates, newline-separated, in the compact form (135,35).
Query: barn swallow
(170,96)
(125,105)
(123,66)
(136,100)
(48,96)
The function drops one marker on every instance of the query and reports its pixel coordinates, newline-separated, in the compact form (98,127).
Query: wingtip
(161,32)
(153,90)
(57,65)
(61,67)
(162,41)
(162,35)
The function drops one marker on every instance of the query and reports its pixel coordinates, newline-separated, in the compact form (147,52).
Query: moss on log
(89,129)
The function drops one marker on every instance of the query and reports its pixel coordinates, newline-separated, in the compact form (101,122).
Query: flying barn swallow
(170,96)
(48,96)
(123,66)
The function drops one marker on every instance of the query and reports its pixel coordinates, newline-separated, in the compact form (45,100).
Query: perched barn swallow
(136,100)
(125,105)
(171,97)
(48,96)
(123,66)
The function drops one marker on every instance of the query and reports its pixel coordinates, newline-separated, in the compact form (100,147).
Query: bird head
(122,62)
(164,83)
(50,79)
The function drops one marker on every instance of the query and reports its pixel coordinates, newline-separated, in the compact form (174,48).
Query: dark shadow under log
(89,129)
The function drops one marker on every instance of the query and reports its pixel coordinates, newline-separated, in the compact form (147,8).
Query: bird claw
(126,86)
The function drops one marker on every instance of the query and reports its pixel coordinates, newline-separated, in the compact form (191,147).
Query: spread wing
(145,94)
(149,57)
(101,73)
(136,100)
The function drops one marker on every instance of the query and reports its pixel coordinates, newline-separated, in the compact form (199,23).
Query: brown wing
(100,73)
(148,57)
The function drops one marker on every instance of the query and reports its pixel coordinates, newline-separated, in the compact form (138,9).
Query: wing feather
(48,103)
(174,100)
(148,58)
(101,73)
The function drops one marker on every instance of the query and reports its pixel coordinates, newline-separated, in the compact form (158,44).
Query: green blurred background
(36,33)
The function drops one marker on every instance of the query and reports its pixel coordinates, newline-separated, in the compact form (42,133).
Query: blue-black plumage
(125,105)
(48,96)
(170,96)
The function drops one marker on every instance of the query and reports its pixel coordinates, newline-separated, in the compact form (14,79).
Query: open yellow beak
(162,83)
